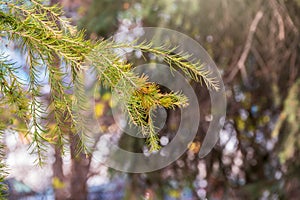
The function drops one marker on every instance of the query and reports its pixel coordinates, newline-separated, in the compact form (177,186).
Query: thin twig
(281,32)
(241,62)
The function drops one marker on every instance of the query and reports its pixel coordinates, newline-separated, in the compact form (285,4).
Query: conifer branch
(49,40)
(36,129)
(193,69)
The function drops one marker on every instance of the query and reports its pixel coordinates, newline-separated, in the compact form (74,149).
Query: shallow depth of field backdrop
(256,46)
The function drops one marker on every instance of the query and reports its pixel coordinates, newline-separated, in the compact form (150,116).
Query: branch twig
(241,62)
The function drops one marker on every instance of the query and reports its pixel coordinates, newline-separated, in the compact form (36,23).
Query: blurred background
(256,46)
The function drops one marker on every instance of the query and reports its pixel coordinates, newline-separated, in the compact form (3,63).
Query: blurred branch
(260,60)
(289,19)
(274,6)
(286,133)
(241,62)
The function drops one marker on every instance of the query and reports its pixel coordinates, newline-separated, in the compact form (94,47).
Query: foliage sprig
(49,40)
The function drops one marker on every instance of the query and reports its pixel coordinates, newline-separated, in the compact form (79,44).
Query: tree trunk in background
(79,167)
(79,170)
(58,180)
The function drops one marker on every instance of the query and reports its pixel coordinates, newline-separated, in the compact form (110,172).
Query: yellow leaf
(99,109)
(194,147)
(106,96)
(57,183)
(174,193)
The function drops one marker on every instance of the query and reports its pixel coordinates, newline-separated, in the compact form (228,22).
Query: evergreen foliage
(47,38)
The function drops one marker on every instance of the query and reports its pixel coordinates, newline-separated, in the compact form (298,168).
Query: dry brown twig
(241,62)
